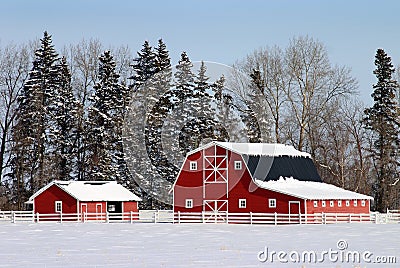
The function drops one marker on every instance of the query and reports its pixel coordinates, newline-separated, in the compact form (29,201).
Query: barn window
(339,203)
(324,203)
(58,206)
(347,203)
(272,203)
(332,204)
(355,203)
(363,203)
(242,203)
(315,204)
(189,203)
(193,165)
(238,165)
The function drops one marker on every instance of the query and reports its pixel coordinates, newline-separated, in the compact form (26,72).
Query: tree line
(62,116)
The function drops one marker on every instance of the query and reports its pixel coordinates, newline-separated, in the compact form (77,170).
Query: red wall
(130,206)
(189,185)
(45,202)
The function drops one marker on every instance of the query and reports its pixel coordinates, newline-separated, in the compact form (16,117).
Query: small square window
(189,203)
(238,165)
(331,204)
(324,203)
(58,206)
(355,203)
(272,203)
(315,204)
(347,203)
(242,203)
(363,203)
(193,165)
(339,203)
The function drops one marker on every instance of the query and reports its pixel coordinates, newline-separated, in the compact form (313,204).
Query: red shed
(84,197)
(258,177)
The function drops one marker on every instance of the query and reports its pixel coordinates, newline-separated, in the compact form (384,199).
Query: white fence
(168,216)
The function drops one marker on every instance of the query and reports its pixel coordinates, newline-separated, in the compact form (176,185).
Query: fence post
(12,217)
(349,217)
(37,217)
(275,218)
(131,217)
(202,216)
(179,217)
(84,216)
(107,217)
(155,216)
(61,217)
(323,218)
(251,217)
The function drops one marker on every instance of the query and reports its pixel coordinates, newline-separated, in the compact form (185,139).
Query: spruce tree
(383,119)
(104,123)
(31,163)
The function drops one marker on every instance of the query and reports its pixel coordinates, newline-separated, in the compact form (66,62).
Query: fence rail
(168,216)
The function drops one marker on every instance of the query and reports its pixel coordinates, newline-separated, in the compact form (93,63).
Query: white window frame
(363,203)
(347,203)
(331,203)
(242,203)
(355,203)
(189,203)
(315,203)
(272,203)
(238,165)
(193,165)
(58,206)
(339,203)
(323,203)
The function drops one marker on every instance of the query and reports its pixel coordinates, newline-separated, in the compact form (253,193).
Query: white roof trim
(92,191)
(310,190)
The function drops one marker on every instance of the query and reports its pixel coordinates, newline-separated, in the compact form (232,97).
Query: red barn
(260,178)
(82,197)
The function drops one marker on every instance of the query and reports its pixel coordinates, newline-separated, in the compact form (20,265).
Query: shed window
(189,203)
(315,204)
(347,203)
(323,203)
(238,165)
(355,203)
(331,204)
(242,203)
(58,206)
(193,165)
(339,203)
(272,203)
(363,203)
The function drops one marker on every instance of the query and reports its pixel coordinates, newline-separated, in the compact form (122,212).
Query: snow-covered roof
(267,149)
(309,189)
(92,191)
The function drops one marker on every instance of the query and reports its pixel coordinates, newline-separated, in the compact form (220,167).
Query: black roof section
(270,168)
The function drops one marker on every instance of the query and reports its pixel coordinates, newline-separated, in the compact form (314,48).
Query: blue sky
(220,31)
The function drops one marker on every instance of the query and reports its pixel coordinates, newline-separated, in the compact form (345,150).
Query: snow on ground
(186,245)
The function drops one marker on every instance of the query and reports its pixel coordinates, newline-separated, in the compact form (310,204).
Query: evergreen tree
(144,66)
(383,119)
(31,130)
(63,110)
(104,123)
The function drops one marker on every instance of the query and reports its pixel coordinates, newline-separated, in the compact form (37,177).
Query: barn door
(215,211)
(294,212)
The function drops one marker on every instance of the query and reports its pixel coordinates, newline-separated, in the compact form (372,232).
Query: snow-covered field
(189,245)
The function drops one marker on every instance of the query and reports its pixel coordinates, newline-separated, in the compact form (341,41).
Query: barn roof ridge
(257,149)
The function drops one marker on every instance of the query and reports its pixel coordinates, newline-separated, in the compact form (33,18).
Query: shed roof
(309,189)
(92,191)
